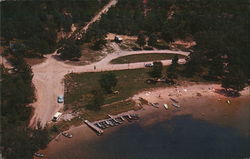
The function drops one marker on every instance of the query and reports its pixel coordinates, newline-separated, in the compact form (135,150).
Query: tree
(193,64)
(108,81)
(97,100)
(216,68)
(69,50)
(172,69)
(175,60)
(40,138)
(141,40)
(234,79)
(152,40)
(157,70)
(99,44)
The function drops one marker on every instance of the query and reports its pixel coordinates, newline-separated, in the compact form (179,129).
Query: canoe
(176,105)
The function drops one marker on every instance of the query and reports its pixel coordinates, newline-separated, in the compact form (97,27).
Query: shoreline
(210,107)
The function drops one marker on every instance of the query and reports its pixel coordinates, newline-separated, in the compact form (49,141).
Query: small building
(118,39)
(56,116)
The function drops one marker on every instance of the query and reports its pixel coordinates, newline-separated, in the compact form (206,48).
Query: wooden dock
(92,126)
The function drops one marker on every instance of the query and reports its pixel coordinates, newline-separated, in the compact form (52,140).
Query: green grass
(78,87)
(144,58)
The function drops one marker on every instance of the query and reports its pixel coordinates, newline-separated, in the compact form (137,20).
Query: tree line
(17,93)
(35,24)
(219,28)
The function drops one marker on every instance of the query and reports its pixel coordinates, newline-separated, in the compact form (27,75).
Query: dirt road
(48,80)
(104,10)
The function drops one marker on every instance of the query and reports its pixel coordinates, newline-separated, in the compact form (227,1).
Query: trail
(78,34)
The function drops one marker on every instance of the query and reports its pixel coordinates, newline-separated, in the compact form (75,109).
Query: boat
(166,106)
(176,105)
(174,100)
(155,105)
(68,135)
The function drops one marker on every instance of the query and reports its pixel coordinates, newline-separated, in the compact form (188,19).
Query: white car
(60,99)
(38,154)
(149,65)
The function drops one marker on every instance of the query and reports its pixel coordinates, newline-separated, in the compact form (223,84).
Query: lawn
(144,58)
(78,87)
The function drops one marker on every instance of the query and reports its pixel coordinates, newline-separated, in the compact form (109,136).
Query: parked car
(149,65)
(60,99)
(68,135)
(38,154)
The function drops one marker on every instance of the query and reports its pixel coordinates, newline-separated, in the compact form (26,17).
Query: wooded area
(219,28)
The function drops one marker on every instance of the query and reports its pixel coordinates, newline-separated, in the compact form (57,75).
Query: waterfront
(204,127)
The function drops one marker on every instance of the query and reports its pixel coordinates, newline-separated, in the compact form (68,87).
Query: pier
(113,120)
(92,126)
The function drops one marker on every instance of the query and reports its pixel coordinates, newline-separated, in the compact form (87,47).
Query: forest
(29,29)
(219,28)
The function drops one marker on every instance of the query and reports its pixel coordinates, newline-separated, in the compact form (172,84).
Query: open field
(144,58)
(79,86)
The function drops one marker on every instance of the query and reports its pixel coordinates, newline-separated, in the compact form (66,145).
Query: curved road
(48,76)
(48,80)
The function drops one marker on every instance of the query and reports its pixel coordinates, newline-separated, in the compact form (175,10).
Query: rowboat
(176,105)
(166,106)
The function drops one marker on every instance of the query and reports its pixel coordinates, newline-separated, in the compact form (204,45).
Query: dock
(113,120)
(92,126)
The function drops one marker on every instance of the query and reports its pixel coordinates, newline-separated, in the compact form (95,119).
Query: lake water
(182,137)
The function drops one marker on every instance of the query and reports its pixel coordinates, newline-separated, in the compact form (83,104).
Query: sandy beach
(207,105)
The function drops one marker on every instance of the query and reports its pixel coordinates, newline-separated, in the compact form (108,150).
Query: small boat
(166,106)
(174,100)
(155,105)
(103,125)
(38,154)
(126,117)
(176,105)
(68,135)
(134,116)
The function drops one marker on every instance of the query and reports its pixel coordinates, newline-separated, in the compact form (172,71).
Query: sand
(210,106)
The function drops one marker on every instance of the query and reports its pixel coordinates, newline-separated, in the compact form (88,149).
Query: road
(49,75)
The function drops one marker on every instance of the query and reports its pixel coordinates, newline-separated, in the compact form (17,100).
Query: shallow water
(182,137)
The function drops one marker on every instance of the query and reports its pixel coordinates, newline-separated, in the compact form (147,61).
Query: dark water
(179,138)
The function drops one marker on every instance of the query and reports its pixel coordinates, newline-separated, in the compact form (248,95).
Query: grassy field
(78,87)
(144,58)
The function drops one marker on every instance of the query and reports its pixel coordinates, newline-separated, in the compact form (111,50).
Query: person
(94,67)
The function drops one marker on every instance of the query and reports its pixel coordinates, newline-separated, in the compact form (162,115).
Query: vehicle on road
(57,116)
(38,154)
(68,135)
(60,99)
(149,65)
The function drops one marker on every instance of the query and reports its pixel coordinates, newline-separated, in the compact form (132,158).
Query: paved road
(48,79)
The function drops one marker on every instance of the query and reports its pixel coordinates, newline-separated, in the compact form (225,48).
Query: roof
(57,114)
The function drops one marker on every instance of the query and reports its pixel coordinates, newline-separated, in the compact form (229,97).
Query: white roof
(57,114)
